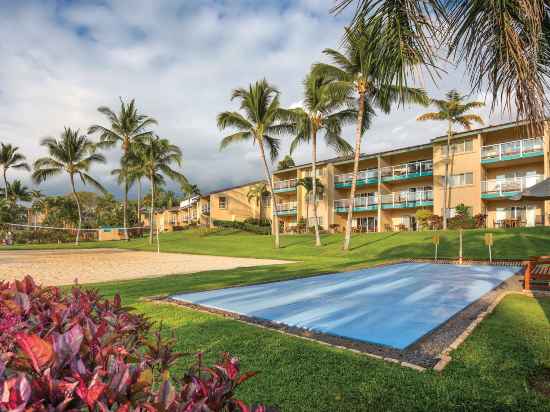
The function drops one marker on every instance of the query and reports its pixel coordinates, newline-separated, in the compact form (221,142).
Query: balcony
(364,177)
(503,188)
(287,209)
(407,171)
(360,204)
(282,186)
(517,149)
(405,200)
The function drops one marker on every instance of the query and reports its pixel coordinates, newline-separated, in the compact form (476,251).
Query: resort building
(487,167)
(228,204)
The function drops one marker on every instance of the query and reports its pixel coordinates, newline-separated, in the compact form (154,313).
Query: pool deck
(421,345)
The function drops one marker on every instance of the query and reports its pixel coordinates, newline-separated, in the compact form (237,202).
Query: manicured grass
(489,372)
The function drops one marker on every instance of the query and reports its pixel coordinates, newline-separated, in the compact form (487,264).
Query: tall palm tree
(260,123)
(11,158)
(158,155)
(17,192)
(356,73)
(126,127)
(256,193)
(505,45)
(453,110)
(132,175)
(322,110)
(73,154)
(307,184)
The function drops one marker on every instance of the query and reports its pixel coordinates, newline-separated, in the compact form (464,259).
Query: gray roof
(540,191)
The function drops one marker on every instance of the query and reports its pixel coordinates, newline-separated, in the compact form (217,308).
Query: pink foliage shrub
(77,351)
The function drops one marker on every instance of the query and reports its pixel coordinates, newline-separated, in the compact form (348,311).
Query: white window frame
(225,202)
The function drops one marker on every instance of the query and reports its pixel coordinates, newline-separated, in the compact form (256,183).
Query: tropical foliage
(453,110)
(72,154)
(259,123)
(10,158)
(286,163)
(78,351)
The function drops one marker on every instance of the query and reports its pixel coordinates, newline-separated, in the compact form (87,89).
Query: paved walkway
(62,267)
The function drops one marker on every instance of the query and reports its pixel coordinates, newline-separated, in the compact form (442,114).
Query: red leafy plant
(78,351)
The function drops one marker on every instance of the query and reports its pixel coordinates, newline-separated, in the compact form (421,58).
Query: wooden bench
(537,273)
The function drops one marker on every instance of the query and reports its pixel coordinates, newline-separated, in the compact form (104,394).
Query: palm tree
(10,158)
(260,124)
(73,154)
(322,110)
(256,193)
(307,184)
(356,73)
(126,127)
(453,109)
(286,163)
(17,192)
(158,155)
(505,45)
(130,176)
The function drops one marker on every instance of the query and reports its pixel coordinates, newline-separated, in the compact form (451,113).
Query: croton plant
(77,351)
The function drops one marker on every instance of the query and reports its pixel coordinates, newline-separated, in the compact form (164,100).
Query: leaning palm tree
(10,158)
(256,194)
(323,109)
(307,184)
(73,154)
(157,156)
(504,45)
(356,73)
(259,123)
(453,110)
(126,127)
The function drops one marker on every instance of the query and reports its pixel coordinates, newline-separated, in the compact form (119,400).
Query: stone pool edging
(412,360)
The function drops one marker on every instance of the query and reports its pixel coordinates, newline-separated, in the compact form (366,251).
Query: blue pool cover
(392,305)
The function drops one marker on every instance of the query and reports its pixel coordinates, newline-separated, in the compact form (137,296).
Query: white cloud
(180,60)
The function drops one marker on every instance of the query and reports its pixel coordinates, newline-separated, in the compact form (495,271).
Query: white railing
(358,202)
(407,197)
(287,207)
(285,184)
(361,175)
(515,184)
(405,169)
(513,148)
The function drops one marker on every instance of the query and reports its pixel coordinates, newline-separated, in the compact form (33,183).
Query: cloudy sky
(179,59)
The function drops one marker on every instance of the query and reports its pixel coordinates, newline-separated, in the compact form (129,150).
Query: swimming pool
(392,305)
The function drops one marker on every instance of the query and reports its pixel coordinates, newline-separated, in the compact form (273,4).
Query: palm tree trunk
(357,153)
(5,184)
(152,211)
(446,184)
(307,211)
(139,201)
(125,207)
(275,223)
(314,184)
(78,208)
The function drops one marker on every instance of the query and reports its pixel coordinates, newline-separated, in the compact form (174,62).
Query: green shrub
(247,227)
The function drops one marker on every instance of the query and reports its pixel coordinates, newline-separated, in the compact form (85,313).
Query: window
(266,199)
(222,202)
(462,146)
(320,172)
(461,179)
(320,196)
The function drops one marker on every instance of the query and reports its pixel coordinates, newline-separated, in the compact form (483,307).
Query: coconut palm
(260,124)
(132,175)
(158,155)
(322,110)
(307,184)
(11,158)
(17,192)
(356,73)
(505,45)
(73,154)
(126,127)
(256,194)
(453,110)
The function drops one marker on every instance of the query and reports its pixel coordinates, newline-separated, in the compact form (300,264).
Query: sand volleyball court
(62,267)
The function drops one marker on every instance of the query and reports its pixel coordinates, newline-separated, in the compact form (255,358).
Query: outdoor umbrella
(540,191)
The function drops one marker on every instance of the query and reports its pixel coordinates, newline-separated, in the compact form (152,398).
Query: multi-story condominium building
(487,166)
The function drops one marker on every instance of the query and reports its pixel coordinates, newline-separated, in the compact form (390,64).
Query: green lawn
(489,372)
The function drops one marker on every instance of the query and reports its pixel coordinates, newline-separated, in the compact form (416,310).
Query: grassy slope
(489,372)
